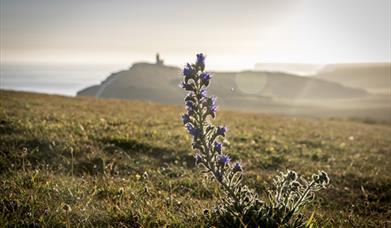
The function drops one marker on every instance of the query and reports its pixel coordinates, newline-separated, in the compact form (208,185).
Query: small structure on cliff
(158,60)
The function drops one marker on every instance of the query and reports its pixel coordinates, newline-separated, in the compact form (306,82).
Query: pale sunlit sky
(233,34)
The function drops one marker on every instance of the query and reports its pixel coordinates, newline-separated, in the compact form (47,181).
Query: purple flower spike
(186,86)
(192,130)
(205,76)
(200,58)
(213,109)
(187,70)
(203,92)
(237,167)
(217,147)
(185,118)
(212,105)
(223,159)
(213,100)
(207,142)
(221,130)
(189,105)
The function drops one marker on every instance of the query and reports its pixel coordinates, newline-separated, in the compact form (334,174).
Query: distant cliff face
(373,77)
(143,81)
(155,82)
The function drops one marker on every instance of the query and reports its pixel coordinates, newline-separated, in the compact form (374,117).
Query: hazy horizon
(235,35)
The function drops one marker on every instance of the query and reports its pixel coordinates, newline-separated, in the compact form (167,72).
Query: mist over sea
(63,79)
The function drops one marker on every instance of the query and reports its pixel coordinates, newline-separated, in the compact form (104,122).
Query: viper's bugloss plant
(239,205)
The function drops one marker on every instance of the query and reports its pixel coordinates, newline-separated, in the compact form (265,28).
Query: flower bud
(221,130)
(187,70)
(322,178)
(185,118)
(217,147)
(223,159)
(237,167)
(291,175)
(200,61)
(186,86)
(189,105)
(205,77)
(203,93)
(192,130)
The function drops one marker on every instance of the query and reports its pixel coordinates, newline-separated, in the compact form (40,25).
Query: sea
(62,79)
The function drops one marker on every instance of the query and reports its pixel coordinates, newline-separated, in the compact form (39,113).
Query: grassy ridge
(92,162)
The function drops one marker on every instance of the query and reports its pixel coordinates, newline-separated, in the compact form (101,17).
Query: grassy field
(97,162)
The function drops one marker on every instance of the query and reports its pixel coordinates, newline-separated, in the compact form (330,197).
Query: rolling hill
(373,77)
(292,68)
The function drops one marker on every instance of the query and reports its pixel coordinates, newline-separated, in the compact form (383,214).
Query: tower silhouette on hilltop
(158,60)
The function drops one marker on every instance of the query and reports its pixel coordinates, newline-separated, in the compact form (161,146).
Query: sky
(233,34)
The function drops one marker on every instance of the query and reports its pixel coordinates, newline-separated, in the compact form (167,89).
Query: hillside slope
(106,162)
(373,77)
